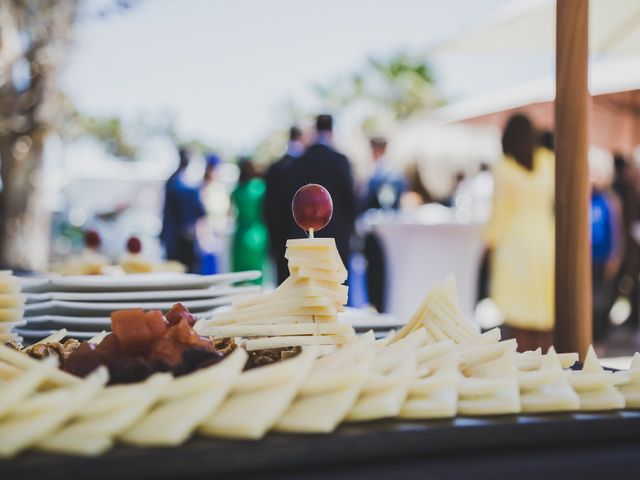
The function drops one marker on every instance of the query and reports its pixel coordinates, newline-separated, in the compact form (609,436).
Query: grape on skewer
(312,208)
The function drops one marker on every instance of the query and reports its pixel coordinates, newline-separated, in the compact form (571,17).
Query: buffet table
(580,445)
(419,255)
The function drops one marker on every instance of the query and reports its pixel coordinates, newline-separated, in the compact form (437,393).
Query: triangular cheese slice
(187,403)
(251,413)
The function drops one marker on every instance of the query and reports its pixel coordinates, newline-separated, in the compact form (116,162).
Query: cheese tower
(302,311)
(547,388)
(631,386)
(11,306)
(595,386)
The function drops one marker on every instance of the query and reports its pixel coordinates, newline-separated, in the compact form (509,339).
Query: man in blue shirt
(182,209)
(383,191)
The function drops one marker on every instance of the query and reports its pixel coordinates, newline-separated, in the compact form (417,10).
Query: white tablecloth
(420,255)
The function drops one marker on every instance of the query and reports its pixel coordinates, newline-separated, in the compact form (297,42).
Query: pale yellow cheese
(318,274)
(556,397)
(492,387)
(56,336)
(9,285)
(279,330)
(267,376)
(20,432)
(630,386)
(434,396)
(98,337)
(324,254)
(112,417)
(172,421)
(383,396)
(478,354)
(327,243)
(23,361)
(18,388)
(295,341)
(12,300)
(300,261)
(250,414)
(41,402)
(440,404)
(11,314)
(322,412)
(499,404)
(595,386)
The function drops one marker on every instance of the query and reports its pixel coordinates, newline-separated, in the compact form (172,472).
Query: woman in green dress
(250,240)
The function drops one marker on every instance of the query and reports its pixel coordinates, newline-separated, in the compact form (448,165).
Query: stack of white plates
(83,304)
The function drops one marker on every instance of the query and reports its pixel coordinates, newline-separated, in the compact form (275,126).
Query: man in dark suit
(277,202)
(322,164)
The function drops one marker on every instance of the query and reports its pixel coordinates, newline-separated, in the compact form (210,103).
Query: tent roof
(529,26)
(621,77)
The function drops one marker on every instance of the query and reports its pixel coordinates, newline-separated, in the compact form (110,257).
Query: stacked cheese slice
(596,387)
(331,389)
(387,385)
(490,382)
(40,414)
(79,416)
(545,386)
(630,383)
(441,316)
(433,392)
(259,398)
(302,311)
(11,306)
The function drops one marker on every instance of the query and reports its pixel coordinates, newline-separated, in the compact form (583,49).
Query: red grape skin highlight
(312,207)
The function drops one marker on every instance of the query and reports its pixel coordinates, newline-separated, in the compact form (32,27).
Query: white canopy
(530,25)
(606,77)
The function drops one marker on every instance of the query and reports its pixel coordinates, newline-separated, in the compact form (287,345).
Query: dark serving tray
(516,446)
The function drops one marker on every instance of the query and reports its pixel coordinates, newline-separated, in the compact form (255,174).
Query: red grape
(134,245)
(92,239)
(312,207)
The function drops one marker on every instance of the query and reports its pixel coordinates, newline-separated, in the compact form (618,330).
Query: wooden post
(573,251)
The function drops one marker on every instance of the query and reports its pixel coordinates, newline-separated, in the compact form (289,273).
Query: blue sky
(222,68)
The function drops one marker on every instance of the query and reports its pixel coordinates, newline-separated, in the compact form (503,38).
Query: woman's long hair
(518,140)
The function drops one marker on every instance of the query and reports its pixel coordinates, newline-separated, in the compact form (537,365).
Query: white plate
(94,324)
(142,281)
(79,309)
(176,295)
(363,320)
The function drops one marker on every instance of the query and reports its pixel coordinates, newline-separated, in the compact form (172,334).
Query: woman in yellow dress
(521,236)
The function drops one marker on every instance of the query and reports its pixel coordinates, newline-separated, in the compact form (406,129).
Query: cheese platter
(282,377)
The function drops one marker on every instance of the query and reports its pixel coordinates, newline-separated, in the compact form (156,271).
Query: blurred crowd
(514,198)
